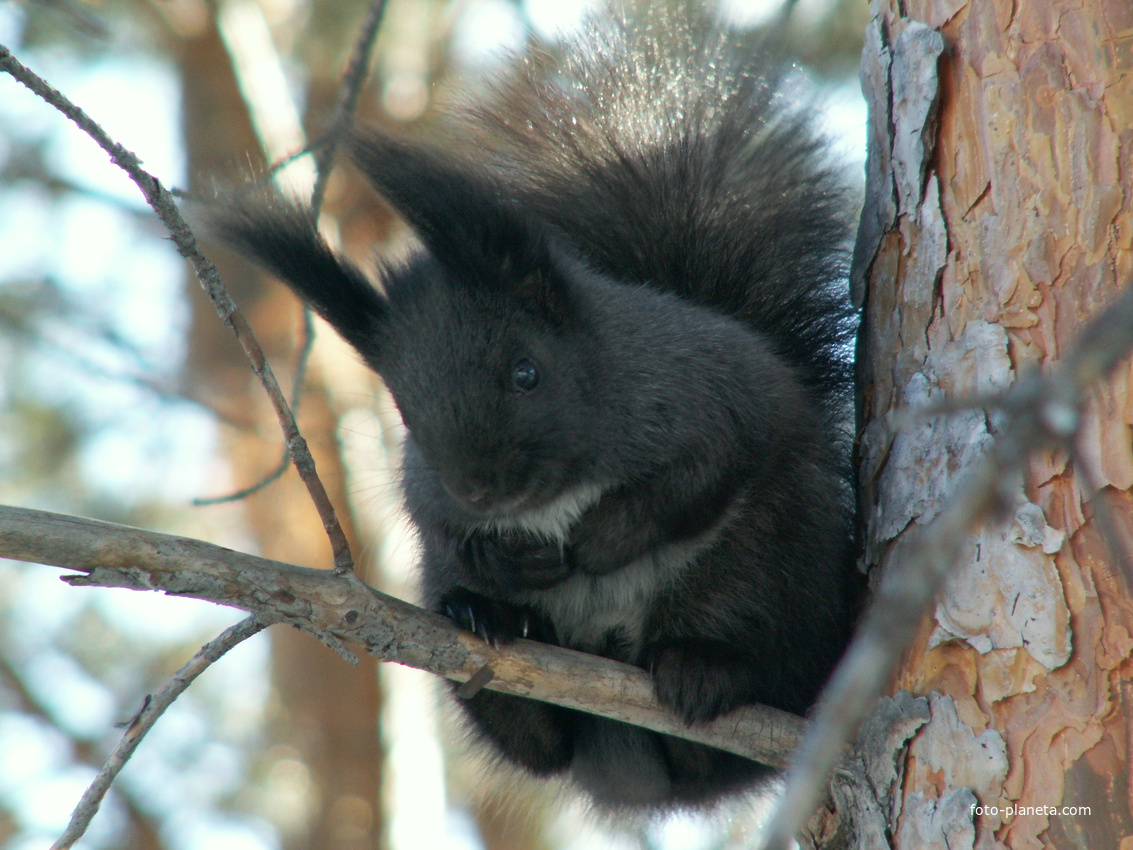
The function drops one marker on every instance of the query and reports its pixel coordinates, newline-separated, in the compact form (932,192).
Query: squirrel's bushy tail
(667,152)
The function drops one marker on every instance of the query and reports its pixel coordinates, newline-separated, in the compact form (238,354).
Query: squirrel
(621,353)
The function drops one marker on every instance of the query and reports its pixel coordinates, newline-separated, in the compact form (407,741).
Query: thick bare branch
(340,609)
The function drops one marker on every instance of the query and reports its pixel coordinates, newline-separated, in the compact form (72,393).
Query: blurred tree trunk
(328,722)
(325,730)
(984,251)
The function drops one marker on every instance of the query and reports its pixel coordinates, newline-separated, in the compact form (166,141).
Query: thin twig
(152,708)
(1041,411)
(301,363)
(162,203)
(259,75)
(82,749)
(324,151)
(357,71)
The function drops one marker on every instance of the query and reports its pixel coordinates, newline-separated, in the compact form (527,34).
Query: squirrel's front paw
(698,681)
(599,544)
(513,560)
(494,621)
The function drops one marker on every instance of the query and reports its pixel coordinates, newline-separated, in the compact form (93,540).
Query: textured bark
(994,232)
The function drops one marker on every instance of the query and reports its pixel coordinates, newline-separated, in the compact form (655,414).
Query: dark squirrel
(620,353)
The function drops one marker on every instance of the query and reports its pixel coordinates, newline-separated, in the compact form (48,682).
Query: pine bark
(1000,219)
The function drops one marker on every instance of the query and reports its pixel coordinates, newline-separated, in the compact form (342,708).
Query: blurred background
(123,397)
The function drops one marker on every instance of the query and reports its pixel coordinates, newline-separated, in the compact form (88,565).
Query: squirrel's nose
(476,496)
(470,492)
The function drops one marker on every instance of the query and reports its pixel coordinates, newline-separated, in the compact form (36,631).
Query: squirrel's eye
(524,375)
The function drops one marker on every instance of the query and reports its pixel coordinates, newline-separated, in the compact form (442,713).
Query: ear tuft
(282,238)
(460,216)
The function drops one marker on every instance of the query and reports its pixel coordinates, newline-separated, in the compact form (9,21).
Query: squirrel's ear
(281,237)
(459,215)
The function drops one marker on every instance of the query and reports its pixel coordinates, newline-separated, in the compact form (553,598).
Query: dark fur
(650,233)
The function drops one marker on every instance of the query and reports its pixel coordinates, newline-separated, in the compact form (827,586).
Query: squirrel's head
(479,334)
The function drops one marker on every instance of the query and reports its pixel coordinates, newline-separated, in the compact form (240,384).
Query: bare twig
(264,99)
(1041,411)
(339,608)
(83,749)
(301,363)
(152,708)
(357,71)
(162,203)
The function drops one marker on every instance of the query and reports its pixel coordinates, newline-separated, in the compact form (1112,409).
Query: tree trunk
(992,233)
(327,750)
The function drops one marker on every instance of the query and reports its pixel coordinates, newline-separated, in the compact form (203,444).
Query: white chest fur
(553,520)
(586,609)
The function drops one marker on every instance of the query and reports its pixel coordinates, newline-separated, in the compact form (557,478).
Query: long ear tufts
(458,214)
(282,238)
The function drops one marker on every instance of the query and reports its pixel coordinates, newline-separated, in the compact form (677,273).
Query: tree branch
(152,708)
(357,71)
(340,609)
(82,750)
(159,198)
